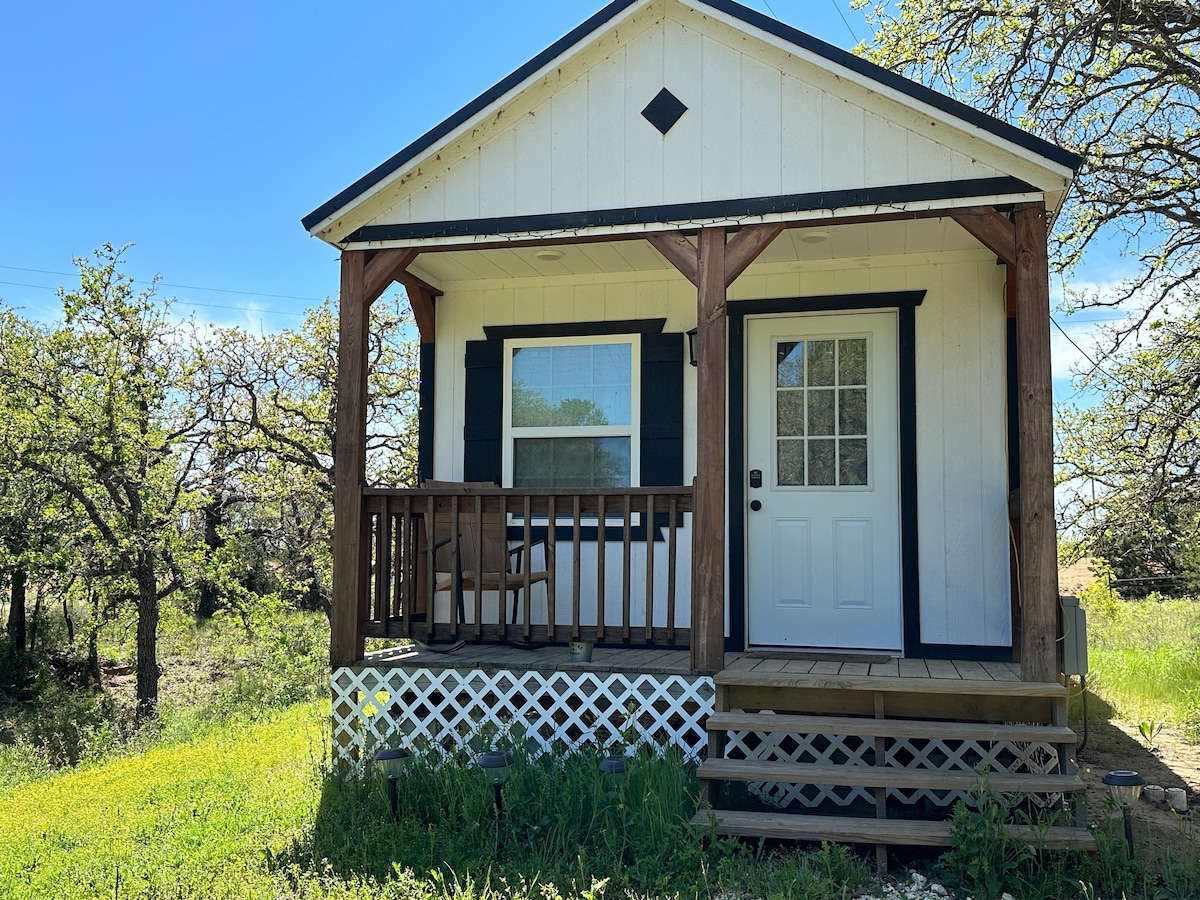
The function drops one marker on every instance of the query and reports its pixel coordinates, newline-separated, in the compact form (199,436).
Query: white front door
(823,481)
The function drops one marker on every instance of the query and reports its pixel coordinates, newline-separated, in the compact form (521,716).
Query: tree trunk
(16,609)
(147,641)
(214,518)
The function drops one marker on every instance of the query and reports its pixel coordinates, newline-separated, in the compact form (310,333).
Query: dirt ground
(1173,761)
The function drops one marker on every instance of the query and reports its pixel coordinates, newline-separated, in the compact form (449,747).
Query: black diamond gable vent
(664,111)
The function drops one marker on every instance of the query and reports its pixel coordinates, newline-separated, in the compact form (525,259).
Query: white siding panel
(606,134)
(720,73)
(569,184)
(928,161)
(842,137)
(462,189)
(643,142)
(803,124)
(681,146)
(498,176)
(427,203)
(887,151)
(762,149)
(535,160)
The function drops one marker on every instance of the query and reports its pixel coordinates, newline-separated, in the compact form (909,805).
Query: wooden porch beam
(420,298)
(708,567)
(745,246)
(1039,566)
(346,643)
(679,252)
(384,267)
(991,228)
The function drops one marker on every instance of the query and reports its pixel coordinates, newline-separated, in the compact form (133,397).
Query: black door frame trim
(905,304)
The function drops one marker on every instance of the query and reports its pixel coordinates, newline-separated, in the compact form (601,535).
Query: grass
(251,811)
(1145,657)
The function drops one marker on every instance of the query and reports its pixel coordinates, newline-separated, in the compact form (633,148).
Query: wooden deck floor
(677,662)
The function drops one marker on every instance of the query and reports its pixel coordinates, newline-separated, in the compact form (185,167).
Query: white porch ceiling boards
(845,242)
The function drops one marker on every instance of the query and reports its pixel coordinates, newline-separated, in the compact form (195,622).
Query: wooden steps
(857,830)
(884,777)
(860,725)
(898,734)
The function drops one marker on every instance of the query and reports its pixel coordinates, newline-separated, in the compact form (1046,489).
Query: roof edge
(753,18)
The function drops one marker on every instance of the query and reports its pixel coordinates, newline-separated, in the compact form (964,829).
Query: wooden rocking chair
(481,541)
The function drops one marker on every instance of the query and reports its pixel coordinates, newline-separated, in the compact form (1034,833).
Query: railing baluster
(576,544)
(527,560)
(672,543)
(626,565)
(408,550)
(478,562)
(648,521)
(430,570)
(551,561)
(383,562)
(456,587)
(600,573)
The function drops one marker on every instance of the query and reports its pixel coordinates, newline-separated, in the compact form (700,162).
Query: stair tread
(889,683)
(782,772)
(914,728)
(794,826)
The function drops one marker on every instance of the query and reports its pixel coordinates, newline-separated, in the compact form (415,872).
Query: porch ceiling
(853,243)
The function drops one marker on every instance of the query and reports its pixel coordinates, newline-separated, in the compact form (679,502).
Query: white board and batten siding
(760,122)
(961,402)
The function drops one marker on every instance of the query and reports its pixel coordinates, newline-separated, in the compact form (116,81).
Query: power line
(845,21)
(246,309)
(185,287)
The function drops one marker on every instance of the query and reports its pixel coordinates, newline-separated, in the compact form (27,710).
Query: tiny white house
(735,363)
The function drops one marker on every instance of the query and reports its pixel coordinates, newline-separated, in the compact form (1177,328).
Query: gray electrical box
(1072,636)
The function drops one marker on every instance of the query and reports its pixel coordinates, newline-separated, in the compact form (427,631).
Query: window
(571,411)
(821,416)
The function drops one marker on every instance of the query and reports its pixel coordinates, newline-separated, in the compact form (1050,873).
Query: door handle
(756,505)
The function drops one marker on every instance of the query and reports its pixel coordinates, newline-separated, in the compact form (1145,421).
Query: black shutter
(483,429)
(662,410)
(425,418)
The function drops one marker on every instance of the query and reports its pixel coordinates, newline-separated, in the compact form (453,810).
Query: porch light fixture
(691,336)
(548,254)
(496,766)
(612,770)
(1125,786)
(812,236)
(391,763)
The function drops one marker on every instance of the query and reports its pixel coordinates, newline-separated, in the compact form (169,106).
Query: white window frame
(632,430)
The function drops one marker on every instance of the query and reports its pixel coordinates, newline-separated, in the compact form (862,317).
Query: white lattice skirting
(906,753)
(382,707)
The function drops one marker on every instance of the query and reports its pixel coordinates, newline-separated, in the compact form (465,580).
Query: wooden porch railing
(425,548)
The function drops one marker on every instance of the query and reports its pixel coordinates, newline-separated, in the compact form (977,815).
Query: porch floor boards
(756,665)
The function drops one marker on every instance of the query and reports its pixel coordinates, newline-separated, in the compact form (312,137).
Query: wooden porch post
(1039,558)
(346,644)
(708,568)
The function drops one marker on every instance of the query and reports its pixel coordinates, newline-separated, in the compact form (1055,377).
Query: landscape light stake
(391,763)
(1125,786)
(496,767)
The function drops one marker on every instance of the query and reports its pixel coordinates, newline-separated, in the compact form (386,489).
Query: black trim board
(906,303)
(425,416)
(750,17)
(574,329)
(889,195)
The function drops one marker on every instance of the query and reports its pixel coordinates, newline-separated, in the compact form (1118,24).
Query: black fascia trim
(965,652)
(574,329)
(913,89)
(890,195)
(904,301)
(476,106)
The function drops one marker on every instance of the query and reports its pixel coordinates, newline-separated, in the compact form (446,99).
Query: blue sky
(202,132)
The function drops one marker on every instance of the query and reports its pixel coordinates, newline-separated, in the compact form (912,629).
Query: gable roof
(835,55)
